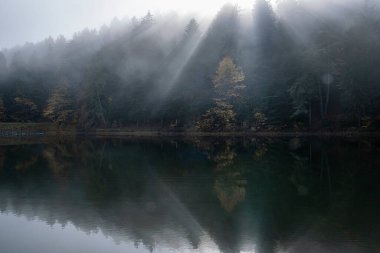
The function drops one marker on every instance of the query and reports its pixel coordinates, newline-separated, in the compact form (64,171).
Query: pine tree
(191,29)
(2,111)
(3,65)
(25,110)
(146,22)
(96,100)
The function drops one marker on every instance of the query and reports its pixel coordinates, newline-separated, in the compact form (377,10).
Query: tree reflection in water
(266,195)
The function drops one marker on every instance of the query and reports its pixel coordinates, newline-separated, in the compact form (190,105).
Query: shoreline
(137,133)
(40,130)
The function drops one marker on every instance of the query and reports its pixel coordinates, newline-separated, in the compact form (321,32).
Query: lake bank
(33,130)
(51,130)
(230,134)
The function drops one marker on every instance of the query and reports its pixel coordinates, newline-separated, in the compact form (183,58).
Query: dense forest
(291,65)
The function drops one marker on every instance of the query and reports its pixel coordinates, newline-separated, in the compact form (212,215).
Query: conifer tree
(2,110)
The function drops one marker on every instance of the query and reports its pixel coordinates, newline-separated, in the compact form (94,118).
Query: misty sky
(34,20)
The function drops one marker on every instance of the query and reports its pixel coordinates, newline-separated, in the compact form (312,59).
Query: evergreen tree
(3,66)
(191,29)
(25,110)
(3,114)
(193,85)
(358,69)
(304,92)
(96,100)
(146,22)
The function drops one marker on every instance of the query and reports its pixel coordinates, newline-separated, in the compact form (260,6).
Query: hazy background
(34,20)
(300,63)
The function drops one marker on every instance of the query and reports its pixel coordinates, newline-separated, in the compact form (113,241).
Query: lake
(168,195)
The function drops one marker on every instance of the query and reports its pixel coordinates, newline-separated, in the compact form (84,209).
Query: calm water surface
(190,195)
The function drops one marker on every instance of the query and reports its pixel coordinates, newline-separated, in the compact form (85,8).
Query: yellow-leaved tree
(228,83)
(60,106)
(228,80)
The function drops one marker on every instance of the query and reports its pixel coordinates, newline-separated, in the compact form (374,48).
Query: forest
(295,65)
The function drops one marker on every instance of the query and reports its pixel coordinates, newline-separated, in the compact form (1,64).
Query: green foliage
(313,71)
(3,66)
(303,92)
(3,114)
(96,102)
(358,69)
(259,121)
(26,110)
(191,29)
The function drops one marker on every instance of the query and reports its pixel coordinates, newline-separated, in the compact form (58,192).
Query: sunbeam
(209,7)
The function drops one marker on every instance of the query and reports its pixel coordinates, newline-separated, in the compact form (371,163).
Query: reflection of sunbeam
(180,211)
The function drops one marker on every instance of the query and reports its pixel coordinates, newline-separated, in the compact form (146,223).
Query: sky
(33,20)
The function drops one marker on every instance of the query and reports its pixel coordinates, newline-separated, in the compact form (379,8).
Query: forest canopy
(295,64)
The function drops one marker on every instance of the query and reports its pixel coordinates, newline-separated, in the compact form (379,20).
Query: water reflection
(194,195)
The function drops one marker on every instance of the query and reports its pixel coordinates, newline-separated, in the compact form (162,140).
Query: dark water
(198,195)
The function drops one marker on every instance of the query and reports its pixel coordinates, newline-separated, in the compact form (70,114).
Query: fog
(32,20)
(296,63)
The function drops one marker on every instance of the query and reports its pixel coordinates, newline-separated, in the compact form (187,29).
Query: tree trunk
(309,115)
(327,97)
(321,101)
(101,108)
